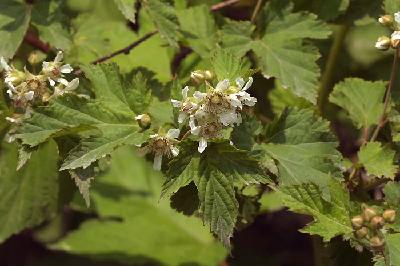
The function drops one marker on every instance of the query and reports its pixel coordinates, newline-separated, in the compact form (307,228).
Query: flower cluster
(26,88)
(392,22)
(217,109)
(162,145)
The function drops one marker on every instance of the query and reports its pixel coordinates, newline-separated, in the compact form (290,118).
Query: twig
(256,10)
(32,39)
(223,4)
(125,50)
(393,74)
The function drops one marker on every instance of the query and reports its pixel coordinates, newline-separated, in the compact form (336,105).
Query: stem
(326,79)
(383,119)
(256,11)
(34,41)
(223,4)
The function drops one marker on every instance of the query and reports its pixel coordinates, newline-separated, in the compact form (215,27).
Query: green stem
(383,119)
(326,79)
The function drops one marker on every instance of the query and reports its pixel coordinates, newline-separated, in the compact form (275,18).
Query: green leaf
(14,22)
(392,197)
(281,52)
(393,249)
(108,116)
(199,29)
(304,149)
(28,196)
(49,19)
(329,10)
(366,110)
(227,65)
(164,17)
(215,174)
(127,8)
(378,160)
(236,36)
(308,199)
(391,6)
(147,231)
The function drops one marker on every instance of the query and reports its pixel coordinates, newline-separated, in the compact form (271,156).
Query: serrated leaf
(164,17)
(127,8)
(236,36)
(304,148)
(227,65)
(82,179)
(393,249)
(49,19)
(199,33)
(330,218)
(215,174)
(130,212)
(242,135)
(367,109)
(391,6)
(281,52)
(28,196)
(14,22)
(329,10)
(378,160)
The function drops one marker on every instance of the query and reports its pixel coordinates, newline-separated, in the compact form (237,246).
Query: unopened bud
(36,57)
(362,232)
(395,39)
(144,120)
(383,43)
(389,215)
(377,222)
(368,214)
(357,221)
(200,75)
(386,20)
(376,242)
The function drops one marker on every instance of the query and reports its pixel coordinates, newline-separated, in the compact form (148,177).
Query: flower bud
(377,222)
(383,43)
(144,120)
(368,214)
(362,232)
(200,75)
(36,57)
(376,242)
(395,39)
(389,215)
(386,20)
(357,221)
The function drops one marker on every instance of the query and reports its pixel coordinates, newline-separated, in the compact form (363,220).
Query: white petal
(202,145)
(153,136)
(185,92)
(248,84)
(222,85)
(11,86)
(174,151)
(175,103)
(59,57)
(228,118)
(29,95)
(52,82)
(72,85)
(234,101)
(199,95)
(397,17)
(10,94)
(157,162)
(182,116)
(4,64)
(173,133)
(396,35)
(63,81)
(66,69)
(138,117)
(240,83)
(12,120)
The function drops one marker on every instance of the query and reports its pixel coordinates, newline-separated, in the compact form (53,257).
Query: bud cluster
(25,88)
(368,224)
(392,22)
(162,145)
(209,113)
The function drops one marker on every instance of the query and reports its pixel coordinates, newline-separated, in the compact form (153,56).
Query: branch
(125,50)
(32,39)
(256,10)
(223,4)
(393,74)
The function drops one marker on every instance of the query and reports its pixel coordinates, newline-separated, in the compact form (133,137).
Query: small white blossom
(55,70)
(61,88)
(161,145)
(187,105)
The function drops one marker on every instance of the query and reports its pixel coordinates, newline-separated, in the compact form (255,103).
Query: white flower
(397,17)
(162,146)
(63,88)
(395,36)
(55,70)
(12,75)
(187,105)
